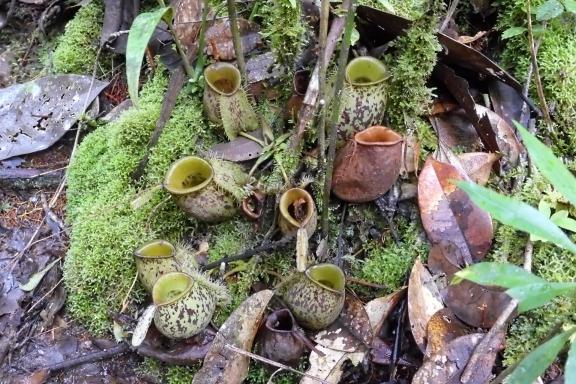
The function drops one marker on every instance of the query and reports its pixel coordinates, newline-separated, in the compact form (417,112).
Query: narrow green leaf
(140,33)
(388,6)
(497,274)
(36,278)
(536,362)
(549,10)
(516,214)
(544,208)
(551,167)
(561,219)
(570,7)
(511,32)
(532,296)
(570,369)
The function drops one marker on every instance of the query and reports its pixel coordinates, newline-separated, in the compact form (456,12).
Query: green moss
(388,263)
(77,48)
(410,67)
(282,25)
(412,9)
(170,374)
(99,268)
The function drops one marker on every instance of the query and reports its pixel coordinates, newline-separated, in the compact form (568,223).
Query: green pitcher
(209,190)
(315,297)
(297,209)
(225,102)
(363,97)
(154,259)
(184,306)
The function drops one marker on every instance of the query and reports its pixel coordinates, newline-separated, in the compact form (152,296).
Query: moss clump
(169,374)
(77,48)
(410,67)
(282,25)
(388,263)
(105,230)
(412,9)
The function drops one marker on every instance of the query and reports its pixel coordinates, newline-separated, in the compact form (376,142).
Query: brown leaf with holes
(448,214)
(446,366)
(424,301)
(219,43)
(187,21)
(222,365)
(478,165)
(442,328)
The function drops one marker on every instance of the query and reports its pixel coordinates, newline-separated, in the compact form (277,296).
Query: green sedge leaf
(516,214)
(497,274)
(531,296)
(551,167)
(140,33)
(570,369)
(511,32)
(536,362)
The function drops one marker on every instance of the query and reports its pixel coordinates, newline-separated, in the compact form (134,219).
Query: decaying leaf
(38,113)
(329,366)
(37,277)
(221,365)
(505,137)
(455,130)
(187,17)
(478,165)
(185,352)
(447,366)
(382,352)
(219,43)
(507,102)
(351,330)
(444,258)
(379,309)
(442,328)
(424,301)
(448,214)
(239,149)
(476,305)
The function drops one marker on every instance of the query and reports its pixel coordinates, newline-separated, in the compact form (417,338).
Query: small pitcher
(154,259)
(225,102)
(315,297)
(364,95)
(297,210)
(368,165)
(210,191)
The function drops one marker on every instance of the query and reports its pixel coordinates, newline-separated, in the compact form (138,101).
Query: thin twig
(335,114)
(236,39)
(449,14)
(355,280)
(487,344)
(323,62)
(90,358)
(272,362)
(539,88)
(45,295)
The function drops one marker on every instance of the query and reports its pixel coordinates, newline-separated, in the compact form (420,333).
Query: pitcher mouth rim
(214,67)
(180,295)
(307,273)
(399,138)
(366,58)
(141,256)
(195,188)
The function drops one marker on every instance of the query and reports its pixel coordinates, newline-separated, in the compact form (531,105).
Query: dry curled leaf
(222,365)
(478,165)
(507,141)
(219,43)
(423,302)
(379,309)
(442,328)
(448,214)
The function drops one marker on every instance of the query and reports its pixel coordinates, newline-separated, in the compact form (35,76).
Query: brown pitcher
(368,165)
(281,340)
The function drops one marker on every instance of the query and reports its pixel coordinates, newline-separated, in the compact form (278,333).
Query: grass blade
(497,274)
(516,214)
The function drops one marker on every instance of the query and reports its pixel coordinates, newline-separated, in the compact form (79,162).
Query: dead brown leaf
(448,214)
(442,328)
(219,43)
(478,165)
(507,141)
(379,309)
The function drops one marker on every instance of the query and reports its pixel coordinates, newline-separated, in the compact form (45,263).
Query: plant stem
(342,59)
(324,14)
(201,42)
(539,88)
(236,38)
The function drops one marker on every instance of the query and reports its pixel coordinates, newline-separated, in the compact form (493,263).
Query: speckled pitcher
(154,259)
(184,306)
(363,97)
(209,190)
(225,102)
(315,297)
(297,209)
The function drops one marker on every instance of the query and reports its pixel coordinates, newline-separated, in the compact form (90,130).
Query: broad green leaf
(497,274)
(516,214)
(561,219)
(549,10)
(536,362)
(570,369)
(387,5)
(551,167)
(511,32)
(532,296)
(140,33)
(570,7)
(36,278)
